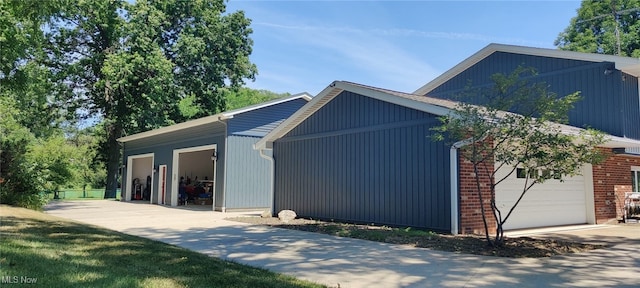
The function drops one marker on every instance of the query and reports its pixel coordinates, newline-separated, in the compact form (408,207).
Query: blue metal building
(607,84)
(364,154)
(216,150)
(610,102)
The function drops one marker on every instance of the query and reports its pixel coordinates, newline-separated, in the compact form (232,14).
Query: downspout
(223,208)
(123,171)
(273,180)
(215,179)
(453,158)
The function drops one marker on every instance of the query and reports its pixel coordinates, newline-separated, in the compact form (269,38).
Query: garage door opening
(139,178)
(195,175)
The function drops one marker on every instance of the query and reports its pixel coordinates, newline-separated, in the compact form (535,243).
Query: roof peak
(628,65)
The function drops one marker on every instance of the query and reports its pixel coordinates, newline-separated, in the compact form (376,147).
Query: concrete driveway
(345,262)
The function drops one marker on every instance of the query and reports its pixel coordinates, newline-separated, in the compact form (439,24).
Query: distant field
(78,194)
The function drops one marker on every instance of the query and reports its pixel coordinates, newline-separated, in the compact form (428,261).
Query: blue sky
(302,46)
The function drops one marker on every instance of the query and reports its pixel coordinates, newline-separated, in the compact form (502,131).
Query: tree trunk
(113,160)
(484,215)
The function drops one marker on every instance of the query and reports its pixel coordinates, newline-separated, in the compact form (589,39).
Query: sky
(303,46)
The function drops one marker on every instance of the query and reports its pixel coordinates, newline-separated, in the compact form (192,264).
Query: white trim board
(175,164)
(128,185)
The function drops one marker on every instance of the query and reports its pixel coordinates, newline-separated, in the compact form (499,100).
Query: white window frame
(635,172)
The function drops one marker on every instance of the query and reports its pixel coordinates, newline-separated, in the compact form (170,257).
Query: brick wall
(470,213)
(612,172)
(620,192)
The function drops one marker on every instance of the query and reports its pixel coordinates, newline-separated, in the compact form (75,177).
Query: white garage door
(549,204)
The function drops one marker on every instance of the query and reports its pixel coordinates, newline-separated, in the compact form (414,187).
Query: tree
(86,168)
(606,27)
(18,184)
(29,112)
(234,98)
(246,96)
(20,33)
(22,75)
(532,140)
(51,159)
(132,64)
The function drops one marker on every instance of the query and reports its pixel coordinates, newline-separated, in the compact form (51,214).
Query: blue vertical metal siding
(352,112)
(631,104)
(243,178)
(601,104)
(261,121)
(364,160)
(248,182)
(608,100)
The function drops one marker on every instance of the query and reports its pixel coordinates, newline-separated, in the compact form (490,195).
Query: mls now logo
(10,279)
(18,280)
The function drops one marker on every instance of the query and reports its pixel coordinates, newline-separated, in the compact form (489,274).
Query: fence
(80,194)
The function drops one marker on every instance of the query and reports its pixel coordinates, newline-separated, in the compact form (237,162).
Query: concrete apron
(609,235)
(345,262)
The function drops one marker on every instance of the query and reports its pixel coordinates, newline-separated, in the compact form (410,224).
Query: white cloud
(368,54)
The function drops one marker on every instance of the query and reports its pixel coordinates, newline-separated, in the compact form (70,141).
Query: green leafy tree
(29,110)
(604,26)
(85,168)
(20,33)
(134,64)
(81,37)
(19,185)
(22,75)
(29,165)
(246,96)
(51,159)
(235,98)
(496,141)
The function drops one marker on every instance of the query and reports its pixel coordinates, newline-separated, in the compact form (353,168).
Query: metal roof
(211,119)
(625,64)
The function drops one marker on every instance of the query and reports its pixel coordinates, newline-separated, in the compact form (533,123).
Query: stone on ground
(287,215)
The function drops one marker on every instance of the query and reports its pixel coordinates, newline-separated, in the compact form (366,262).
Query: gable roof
(439,107)
(628,65)
(213,118)
(422,103)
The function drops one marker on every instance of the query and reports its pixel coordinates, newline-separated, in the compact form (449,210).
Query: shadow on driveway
(351,262)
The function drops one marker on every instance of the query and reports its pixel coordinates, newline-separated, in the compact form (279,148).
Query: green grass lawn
(79,194)
(55,252)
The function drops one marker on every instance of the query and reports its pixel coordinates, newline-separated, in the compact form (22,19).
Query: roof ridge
(398,93)
(211,118)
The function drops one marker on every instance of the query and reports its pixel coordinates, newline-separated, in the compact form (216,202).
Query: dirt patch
(520,247)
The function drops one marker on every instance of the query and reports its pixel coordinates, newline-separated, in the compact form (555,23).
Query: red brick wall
(612,174)
(614,171)
(470,213)
(620,192)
